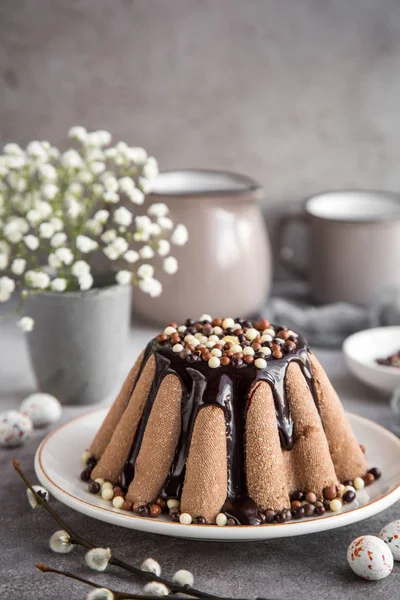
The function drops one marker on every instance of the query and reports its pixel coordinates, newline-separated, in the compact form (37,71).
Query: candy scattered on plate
(15,428)
(42,409)
(370,558)
(390,534)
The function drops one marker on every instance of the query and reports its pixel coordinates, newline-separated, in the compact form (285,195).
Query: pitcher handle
(286,253)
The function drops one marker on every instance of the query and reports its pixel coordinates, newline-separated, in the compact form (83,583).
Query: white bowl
(363,348)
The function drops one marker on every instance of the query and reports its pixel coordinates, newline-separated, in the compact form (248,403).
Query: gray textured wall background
(301,94)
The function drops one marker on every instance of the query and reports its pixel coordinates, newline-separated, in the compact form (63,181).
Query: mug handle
(286,253)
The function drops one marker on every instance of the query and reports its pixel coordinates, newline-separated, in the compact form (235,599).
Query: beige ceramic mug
(353,245)
(225,268)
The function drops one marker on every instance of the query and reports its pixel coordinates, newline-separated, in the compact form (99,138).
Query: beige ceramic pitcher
(225,268)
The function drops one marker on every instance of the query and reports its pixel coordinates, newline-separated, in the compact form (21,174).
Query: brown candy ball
(330,492)
(155,510)
(127,505)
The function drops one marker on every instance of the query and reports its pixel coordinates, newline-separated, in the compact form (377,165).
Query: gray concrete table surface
(306,568)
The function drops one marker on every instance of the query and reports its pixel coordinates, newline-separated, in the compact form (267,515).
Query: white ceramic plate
(363,348)
(57,465)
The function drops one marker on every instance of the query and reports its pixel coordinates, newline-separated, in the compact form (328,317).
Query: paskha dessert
(230,422)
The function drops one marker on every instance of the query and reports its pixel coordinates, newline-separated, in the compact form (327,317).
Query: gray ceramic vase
(77,345)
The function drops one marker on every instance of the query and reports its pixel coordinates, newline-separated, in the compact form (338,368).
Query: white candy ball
(118,501)
(265,350)
(216,352)
(228,323)
(236,348)
(221,520)
(107,493)
(15,429)
(205,317)
(42,409)
(260,363)
(182,328)
(359,483)
(185,519)
(213,338)
(169,330)
(248,350)
(252,333)
(370,558)
(173,503)
(218,330)
(177,348)
(390,534)
(214,362)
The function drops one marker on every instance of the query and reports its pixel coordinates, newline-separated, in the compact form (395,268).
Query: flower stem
(80,541)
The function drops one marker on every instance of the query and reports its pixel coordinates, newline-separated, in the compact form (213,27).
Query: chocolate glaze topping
(227,387)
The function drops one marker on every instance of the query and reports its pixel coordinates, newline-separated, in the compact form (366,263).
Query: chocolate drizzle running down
(227,387)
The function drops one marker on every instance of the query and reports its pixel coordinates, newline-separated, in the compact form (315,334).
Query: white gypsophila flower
(158,209)
(136,196)
(123,216)
(4,247)
(12,148)
(15,161)
(100,594)
(46,230)
(58,239)
(7,286)
(110,183)
(126,184)
(31,242)
(165,222)
(49,190)
(98,189)
(146,185)
(71,159)
(94,153)
(111,153)
(170,265)
(3,261)
(65,255)
(163,247)
(78,133)
(16,182)
(85,282)
(145,271)
(80,268)
(111,197)
(43,493)
(54,261)
(85,176)
(74,208)
(47,171)
(101,216)
(136,154)
(121,245)
(57,224)
(15,229)
(93,227)
(37,150)
(124,277)
(60,542)
(155,230)
(156,588)
(33,216)
(98,558)
(86,244)
(131,256)
(26,324)
(150,169)
(98,138)
(18,266)
(146,252)
(59,284)
(97,167)
(183,578)
(75,188)
(150,286)
(44,209)
(180,235)
(109,236)
(151,566)
(37,279)
(111,252)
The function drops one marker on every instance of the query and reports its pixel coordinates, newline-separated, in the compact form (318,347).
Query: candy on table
(370,558)
(15,429)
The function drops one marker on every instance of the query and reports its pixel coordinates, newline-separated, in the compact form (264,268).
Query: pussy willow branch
(80,541)
(117,595)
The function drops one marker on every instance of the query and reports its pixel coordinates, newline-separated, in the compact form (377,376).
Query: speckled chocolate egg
(42,409)
(15,428)
(370,558)
(390,534)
